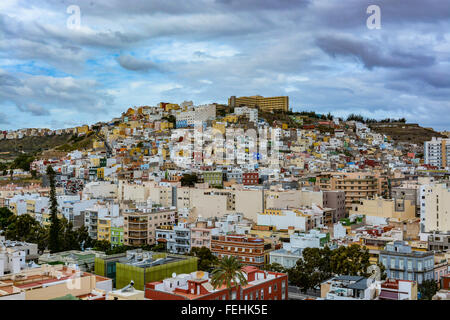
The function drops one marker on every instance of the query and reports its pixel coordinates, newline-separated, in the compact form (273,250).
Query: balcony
(137,235)
(132,228)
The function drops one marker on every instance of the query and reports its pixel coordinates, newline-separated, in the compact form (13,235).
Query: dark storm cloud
(353,13)
(371,54)
(436,77)
(264,4)
(134,64)
(34,109)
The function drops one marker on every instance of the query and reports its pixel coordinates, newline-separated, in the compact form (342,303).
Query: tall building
(437,152)
(201,232)
(140,225)
(356,185)
(435,204)
(268,104)
(177,238)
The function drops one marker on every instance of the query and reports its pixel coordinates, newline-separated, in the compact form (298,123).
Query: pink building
(201,234)
(440,270)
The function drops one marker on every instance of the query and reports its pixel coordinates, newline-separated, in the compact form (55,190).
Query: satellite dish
(174,275)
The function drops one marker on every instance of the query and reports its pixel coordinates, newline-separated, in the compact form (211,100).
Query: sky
(320,53)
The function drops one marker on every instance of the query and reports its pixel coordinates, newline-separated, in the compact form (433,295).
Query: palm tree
(228,271)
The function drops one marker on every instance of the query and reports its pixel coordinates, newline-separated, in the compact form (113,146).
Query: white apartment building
(302,219)
(177,238)
(197,114)
(251,113)
(435,207)
(11,261)
(437,152)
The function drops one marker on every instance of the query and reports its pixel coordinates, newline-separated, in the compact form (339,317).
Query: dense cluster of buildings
(154,176)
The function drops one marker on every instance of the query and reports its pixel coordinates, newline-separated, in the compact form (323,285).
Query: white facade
(435,207)
(437,152)
(11,261)
(305,240)
(252,113)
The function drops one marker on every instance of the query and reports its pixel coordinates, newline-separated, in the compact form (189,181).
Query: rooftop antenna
(129,287)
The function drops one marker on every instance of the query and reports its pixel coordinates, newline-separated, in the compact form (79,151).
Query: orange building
(251,251)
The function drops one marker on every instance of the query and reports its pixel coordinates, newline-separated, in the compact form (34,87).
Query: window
(392,263)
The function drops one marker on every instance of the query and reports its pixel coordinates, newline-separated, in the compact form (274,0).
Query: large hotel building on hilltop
(264,104)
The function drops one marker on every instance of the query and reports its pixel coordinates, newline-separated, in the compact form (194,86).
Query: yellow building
(31,207)
(231,118)
(220,126)
(165,125)
(130,112)
(98,144)
(83,129)
(13,208)
(171,106)
(101,173)
(104,229)
(95,162)
(394,209)
(269,104)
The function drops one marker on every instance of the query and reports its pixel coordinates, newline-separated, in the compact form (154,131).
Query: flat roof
(147,264)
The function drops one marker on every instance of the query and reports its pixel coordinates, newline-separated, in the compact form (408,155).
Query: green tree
(54,244)
(171,118)
(118,249)
(83,238)
(68,238)
(428,289)
(189,180)
(310,270)
(160,247)
(5,213)
(23,162)
(102,245)
(275,267)
(228,272)
(206,260)
(26,228)
(317,265)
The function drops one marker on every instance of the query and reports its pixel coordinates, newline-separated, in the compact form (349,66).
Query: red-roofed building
(396,289)
(262,285)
